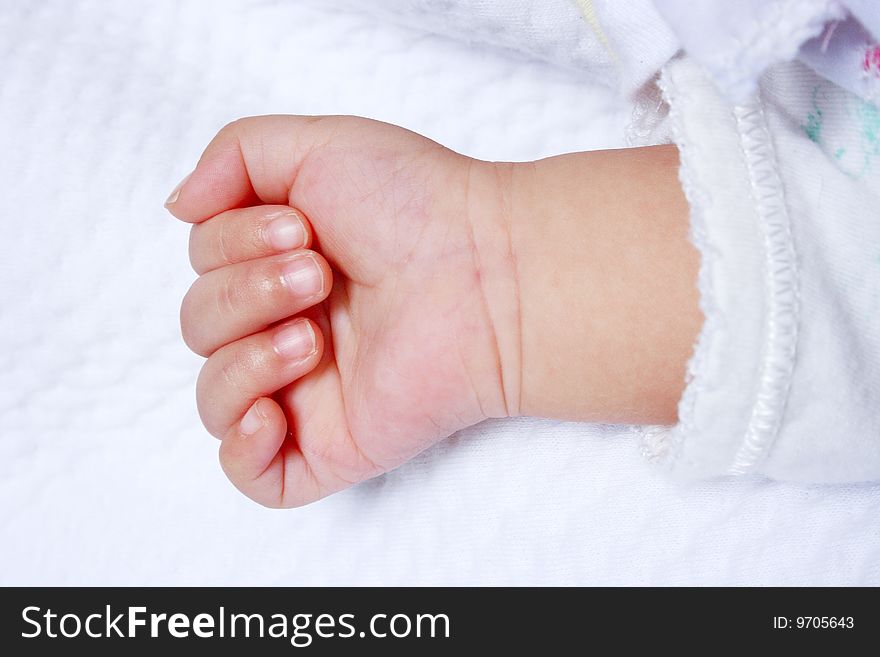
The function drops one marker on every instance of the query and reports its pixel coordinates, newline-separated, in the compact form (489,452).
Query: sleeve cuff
(741,370)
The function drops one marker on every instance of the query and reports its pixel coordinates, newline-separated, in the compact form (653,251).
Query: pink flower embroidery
(871,62)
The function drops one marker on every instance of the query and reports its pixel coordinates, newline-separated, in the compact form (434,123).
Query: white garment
(737,41)
(784,192)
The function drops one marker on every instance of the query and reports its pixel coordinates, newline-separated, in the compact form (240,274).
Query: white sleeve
(784,190)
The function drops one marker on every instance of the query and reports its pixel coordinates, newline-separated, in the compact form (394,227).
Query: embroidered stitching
(781,284)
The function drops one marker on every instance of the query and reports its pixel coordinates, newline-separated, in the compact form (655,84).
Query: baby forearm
(606,283)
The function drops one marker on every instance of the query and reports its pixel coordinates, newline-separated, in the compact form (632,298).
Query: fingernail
(295,341)
(252,421)
(303,277)
(285,232)
(172,197)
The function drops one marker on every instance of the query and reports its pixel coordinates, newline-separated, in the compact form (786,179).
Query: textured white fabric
(106,475)
(548,30)
(639,41)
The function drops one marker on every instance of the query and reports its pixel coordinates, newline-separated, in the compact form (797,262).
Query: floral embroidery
(846,127)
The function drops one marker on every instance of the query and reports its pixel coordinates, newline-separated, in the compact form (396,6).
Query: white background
(106,476)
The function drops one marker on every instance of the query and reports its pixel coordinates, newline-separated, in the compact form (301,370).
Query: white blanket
(106,475)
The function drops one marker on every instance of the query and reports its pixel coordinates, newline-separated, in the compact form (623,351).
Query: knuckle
(229,379)
(206,401)
(231,375)
(189,326)
(231,129)
(195,247)
(247,288)
(241,370)
(223,243)
(228,295)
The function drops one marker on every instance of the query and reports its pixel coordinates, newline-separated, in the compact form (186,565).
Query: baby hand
(461,290)
(349,292)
